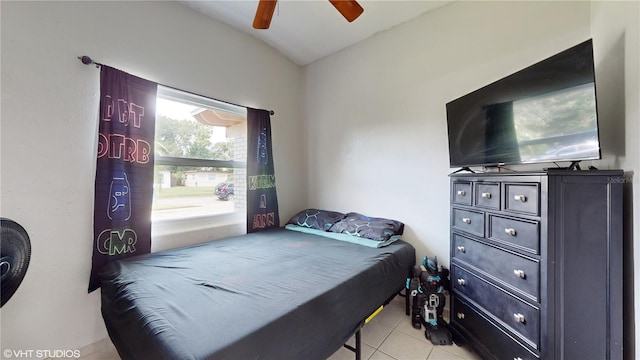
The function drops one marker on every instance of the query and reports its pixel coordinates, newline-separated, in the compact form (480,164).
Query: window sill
(172,233)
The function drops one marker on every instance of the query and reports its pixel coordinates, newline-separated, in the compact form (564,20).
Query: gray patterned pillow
(316,219)
(379,229)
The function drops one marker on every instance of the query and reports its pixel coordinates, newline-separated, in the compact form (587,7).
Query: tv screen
(543,113)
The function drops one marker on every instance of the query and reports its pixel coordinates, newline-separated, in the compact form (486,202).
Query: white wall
(615,28)
(49,134)
(376,121)
(375,113)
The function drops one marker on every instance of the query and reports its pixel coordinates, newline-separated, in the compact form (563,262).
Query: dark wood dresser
(536,264)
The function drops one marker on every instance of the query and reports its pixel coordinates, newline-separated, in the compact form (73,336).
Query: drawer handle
(462,282)
(486,195)
(517,358)
(519,318)
(460,315)
(466,220)
(462,249)
(519,273)
(462,193)
(521,198)
(510,231)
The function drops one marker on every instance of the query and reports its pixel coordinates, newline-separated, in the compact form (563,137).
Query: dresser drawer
(461,193)
(522,198)
(507,267)
(515,314)
(487,195)
(468,221)
(499,343)
(517,232)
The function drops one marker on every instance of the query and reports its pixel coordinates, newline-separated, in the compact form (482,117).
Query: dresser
(536,264)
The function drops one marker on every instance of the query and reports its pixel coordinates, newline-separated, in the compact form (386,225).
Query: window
(200,157)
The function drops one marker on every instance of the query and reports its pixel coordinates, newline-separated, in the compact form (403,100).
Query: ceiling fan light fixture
(264,14)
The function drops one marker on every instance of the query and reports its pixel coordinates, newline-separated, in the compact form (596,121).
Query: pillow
(344,237)
(379,229)
(316,219)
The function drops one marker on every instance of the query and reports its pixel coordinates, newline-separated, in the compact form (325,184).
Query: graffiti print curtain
(124,172)
(262,202)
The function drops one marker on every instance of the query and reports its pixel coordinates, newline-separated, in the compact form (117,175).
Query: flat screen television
(544,113)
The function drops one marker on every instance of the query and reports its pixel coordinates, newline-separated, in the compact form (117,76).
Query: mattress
(275,294)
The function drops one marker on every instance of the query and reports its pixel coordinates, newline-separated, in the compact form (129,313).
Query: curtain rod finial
(271,112)
(88,61)
(85,59)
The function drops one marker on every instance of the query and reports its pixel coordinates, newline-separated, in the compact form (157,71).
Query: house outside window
(200,147)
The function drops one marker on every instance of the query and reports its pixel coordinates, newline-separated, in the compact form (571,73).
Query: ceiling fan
(350,9)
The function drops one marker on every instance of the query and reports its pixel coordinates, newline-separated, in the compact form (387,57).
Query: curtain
(124,171)
(262,202)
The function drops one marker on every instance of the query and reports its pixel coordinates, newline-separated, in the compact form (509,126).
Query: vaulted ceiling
(307,30)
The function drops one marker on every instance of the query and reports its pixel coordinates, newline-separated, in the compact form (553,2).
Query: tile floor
(388,336)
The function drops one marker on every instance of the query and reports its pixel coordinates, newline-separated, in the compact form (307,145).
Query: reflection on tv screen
(558,125)
(543,113)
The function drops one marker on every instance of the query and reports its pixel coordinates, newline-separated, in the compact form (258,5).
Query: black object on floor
(439,335)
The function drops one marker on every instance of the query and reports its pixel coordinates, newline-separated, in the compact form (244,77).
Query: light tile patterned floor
(389,336)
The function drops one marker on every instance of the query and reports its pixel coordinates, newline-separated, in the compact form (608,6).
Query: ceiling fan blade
(264,13)
(350,9)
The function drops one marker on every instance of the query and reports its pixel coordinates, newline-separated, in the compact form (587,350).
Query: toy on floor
(426,288)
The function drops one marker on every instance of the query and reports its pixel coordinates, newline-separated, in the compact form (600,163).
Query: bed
(275,294)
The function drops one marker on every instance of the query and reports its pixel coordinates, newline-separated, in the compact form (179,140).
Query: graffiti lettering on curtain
(124,171)
(262,201)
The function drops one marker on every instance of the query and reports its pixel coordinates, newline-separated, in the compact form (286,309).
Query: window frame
(161,228)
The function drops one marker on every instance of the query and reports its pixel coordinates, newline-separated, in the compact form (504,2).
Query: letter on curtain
(262,202)
(124,171)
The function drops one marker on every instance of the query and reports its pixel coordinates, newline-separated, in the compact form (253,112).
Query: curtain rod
(88,61)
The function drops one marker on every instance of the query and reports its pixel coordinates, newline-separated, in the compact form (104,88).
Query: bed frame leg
(406,303)
(358,348)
